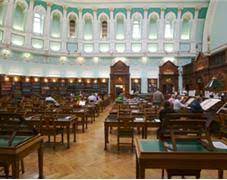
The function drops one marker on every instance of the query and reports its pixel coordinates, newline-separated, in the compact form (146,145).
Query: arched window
(136,27)
(56,25)
(2,12)
(120,29)
(103,27)
(186,27)
(38,23)
(170,25)
(88,28)
(72,26)
(153,27)
(19,17)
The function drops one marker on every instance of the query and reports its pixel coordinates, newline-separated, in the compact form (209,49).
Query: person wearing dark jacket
(195,106)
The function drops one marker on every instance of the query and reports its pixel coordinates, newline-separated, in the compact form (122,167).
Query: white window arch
(56,19)
(38,20)
(153,26)
(72,25)
(170,20)
(120,26)
(186,26)
(88,27)
(104,26)
(136,26)
(20,14)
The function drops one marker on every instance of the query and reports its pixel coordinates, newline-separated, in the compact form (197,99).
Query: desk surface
(16,141)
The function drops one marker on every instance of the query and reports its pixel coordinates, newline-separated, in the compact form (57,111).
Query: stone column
(144,32)
(143,85)
(29,25)
(161,31)
(177,33)
(128,31)
(8,21)
(47,27)
(64,34)
(111,30)
(193,31)
(180,79)
(80,32)
(96,31)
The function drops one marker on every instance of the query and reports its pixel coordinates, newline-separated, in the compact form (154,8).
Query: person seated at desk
(177,105)
(51,100)
(92,98)
(195,106)
(171,99)
(167,108)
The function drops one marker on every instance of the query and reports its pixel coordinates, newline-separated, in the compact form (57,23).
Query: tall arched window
(56,25)
(19,17)
(2,12)
(103,27)
(120,27)
(136,27)
(38,23)
(88,28)
(153,27)
(186,27)
(72,26)
(170,25)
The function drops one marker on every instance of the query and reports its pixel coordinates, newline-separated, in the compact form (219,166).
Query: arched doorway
(119,79)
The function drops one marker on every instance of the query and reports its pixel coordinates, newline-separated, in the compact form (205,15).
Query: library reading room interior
(113,89)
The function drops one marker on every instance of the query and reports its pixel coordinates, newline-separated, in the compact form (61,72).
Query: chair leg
(62,137)
(54,141)
(118,143)
(22,166)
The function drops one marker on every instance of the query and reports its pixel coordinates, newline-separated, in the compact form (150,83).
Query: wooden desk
(81,113)
(64,121)
(113,122)
(151,154)
(21,147)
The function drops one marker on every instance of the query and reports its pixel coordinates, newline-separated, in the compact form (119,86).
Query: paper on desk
(139,119)
(219,145)
(157,120)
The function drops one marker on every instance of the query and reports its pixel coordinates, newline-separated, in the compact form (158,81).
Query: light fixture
(27,56)
(5,53)
(88,81)
(36,79)
(46,80)
(103,80)
(63,59)
(96,60)
(15,79)
(71,81)
(6,78)
(27,79)
(136,80)
(62,80)
(54,80)
(79,80)
(144,60)
(95,81)
(80,60)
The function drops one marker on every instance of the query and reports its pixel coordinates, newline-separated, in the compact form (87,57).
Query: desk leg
(220,174)
(40,161)
(16,169)
(86,119)
(137,168)
(68,136)
(141,172)
(105,136)
(83,123)
(145,132)
(74,131)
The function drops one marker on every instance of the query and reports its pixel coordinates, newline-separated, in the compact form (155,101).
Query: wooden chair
(125,129)
(150,114)
(49,128)
(187,130)
(91,113)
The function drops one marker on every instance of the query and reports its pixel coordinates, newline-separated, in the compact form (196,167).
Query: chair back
(47,123)
(150,114)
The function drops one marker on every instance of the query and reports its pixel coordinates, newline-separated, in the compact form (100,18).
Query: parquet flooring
(87,159)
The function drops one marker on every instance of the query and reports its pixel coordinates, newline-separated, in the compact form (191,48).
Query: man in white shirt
(92,98)
(52,100)
(177,105)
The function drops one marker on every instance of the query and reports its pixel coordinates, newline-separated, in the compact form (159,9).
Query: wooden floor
(87,159)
